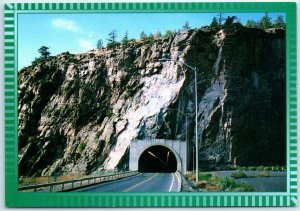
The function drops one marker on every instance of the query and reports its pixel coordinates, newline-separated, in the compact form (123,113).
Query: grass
(229,185)
(204,176)
(209,183)
(239,174)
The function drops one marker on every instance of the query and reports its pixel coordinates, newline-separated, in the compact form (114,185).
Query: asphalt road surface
(144,182)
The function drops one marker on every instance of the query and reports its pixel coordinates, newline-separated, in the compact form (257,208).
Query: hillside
(78,113)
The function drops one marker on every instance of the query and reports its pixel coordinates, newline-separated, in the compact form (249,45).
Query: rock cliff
(78,113)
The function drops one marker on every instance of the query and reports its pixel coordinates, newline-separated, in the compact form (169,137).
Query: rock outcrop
(79,113)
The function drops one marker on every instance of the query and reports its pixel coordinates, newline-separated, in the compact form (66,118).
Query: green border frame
(13,198)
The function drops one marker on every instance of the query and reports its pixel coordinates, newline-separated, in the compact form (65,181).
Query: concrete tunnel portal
(157,159)
(158,155)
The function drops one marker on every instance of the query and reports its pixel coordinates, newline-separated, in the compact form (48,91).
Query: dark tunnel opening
(157,159)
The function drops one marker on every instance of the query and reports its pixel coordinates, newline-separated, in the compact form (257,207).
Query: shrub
(201,184)
(81,147)
(231,167)
(245,168)
(239,174)
(260,168)
(109,112)
(243,187)
(252,168)
(240,168)
(98,134)
(226,184)
(264,174)
(267,168)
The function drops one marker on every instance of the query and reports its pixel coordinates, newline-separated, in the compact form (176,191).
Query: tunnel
(157,159)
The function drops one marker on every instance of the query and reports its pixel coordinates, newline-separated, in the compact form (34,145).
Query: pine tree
(279,22)
(265,22)
(157,35)
(44,51)
(186,26)
(220,19)
(214,24)
(229,20)
(100,44)
(125,39)
(112,39)
(251,24)
(143,36)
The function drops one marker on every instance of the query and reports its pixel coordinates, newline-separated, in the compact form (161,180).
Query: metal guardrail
(76,183)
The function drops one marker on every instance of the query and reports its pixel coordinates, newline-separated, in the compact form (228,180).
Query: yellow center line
(138,184)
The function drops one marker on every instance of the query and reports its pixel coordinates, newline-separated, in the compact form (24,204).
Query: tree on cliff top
(99,44)
(265,22)
(214,24)
(251,24)
(112,39)
(279,22)
(186,26)
(143,36)
(125,40)
(44,51)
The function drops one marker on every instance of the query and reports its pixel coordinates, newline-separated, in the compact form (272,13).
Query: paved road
(144,182)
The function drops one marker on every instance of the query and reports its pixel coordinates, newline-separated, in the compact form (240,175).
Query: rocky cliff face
(79,113)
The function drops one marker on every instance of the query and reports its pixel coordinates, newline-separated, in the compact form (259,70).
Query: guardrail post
(51,188)
(63,186)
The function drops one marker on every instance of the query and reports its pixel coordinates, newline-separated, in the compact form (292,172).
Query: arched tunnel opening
(157,159)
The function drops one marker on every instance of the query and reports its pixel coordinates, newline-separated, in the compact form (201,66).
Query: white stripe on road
(128,189)
(172,183)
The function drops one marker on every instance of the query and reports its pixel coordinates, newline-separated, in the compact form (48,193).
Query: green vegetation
(143,36)
(266,23)
(125,40)
(239,174)
(214,24)
(264,174)
(229,185)
(207,183)
(260,168)
(186,26)
(204,176)
(109,112)
(44,51)
(81,147)
(218,22)
(256,168)
(169,33)
(44,55)
(112,39)
(98,134)
(279,22)
(100,44)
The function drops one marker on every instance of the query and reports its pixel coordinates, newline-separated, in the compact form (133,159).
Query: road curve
(144,182)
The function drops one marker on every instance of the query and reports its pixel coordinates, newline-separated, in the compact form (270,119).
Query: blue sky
(80,32)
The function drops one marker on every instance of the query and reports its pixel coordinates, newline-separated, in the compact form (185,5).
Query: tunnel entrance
(157,159)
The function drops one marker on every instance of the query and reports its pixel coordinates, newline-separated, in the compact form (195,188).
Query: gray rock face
(79,113)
